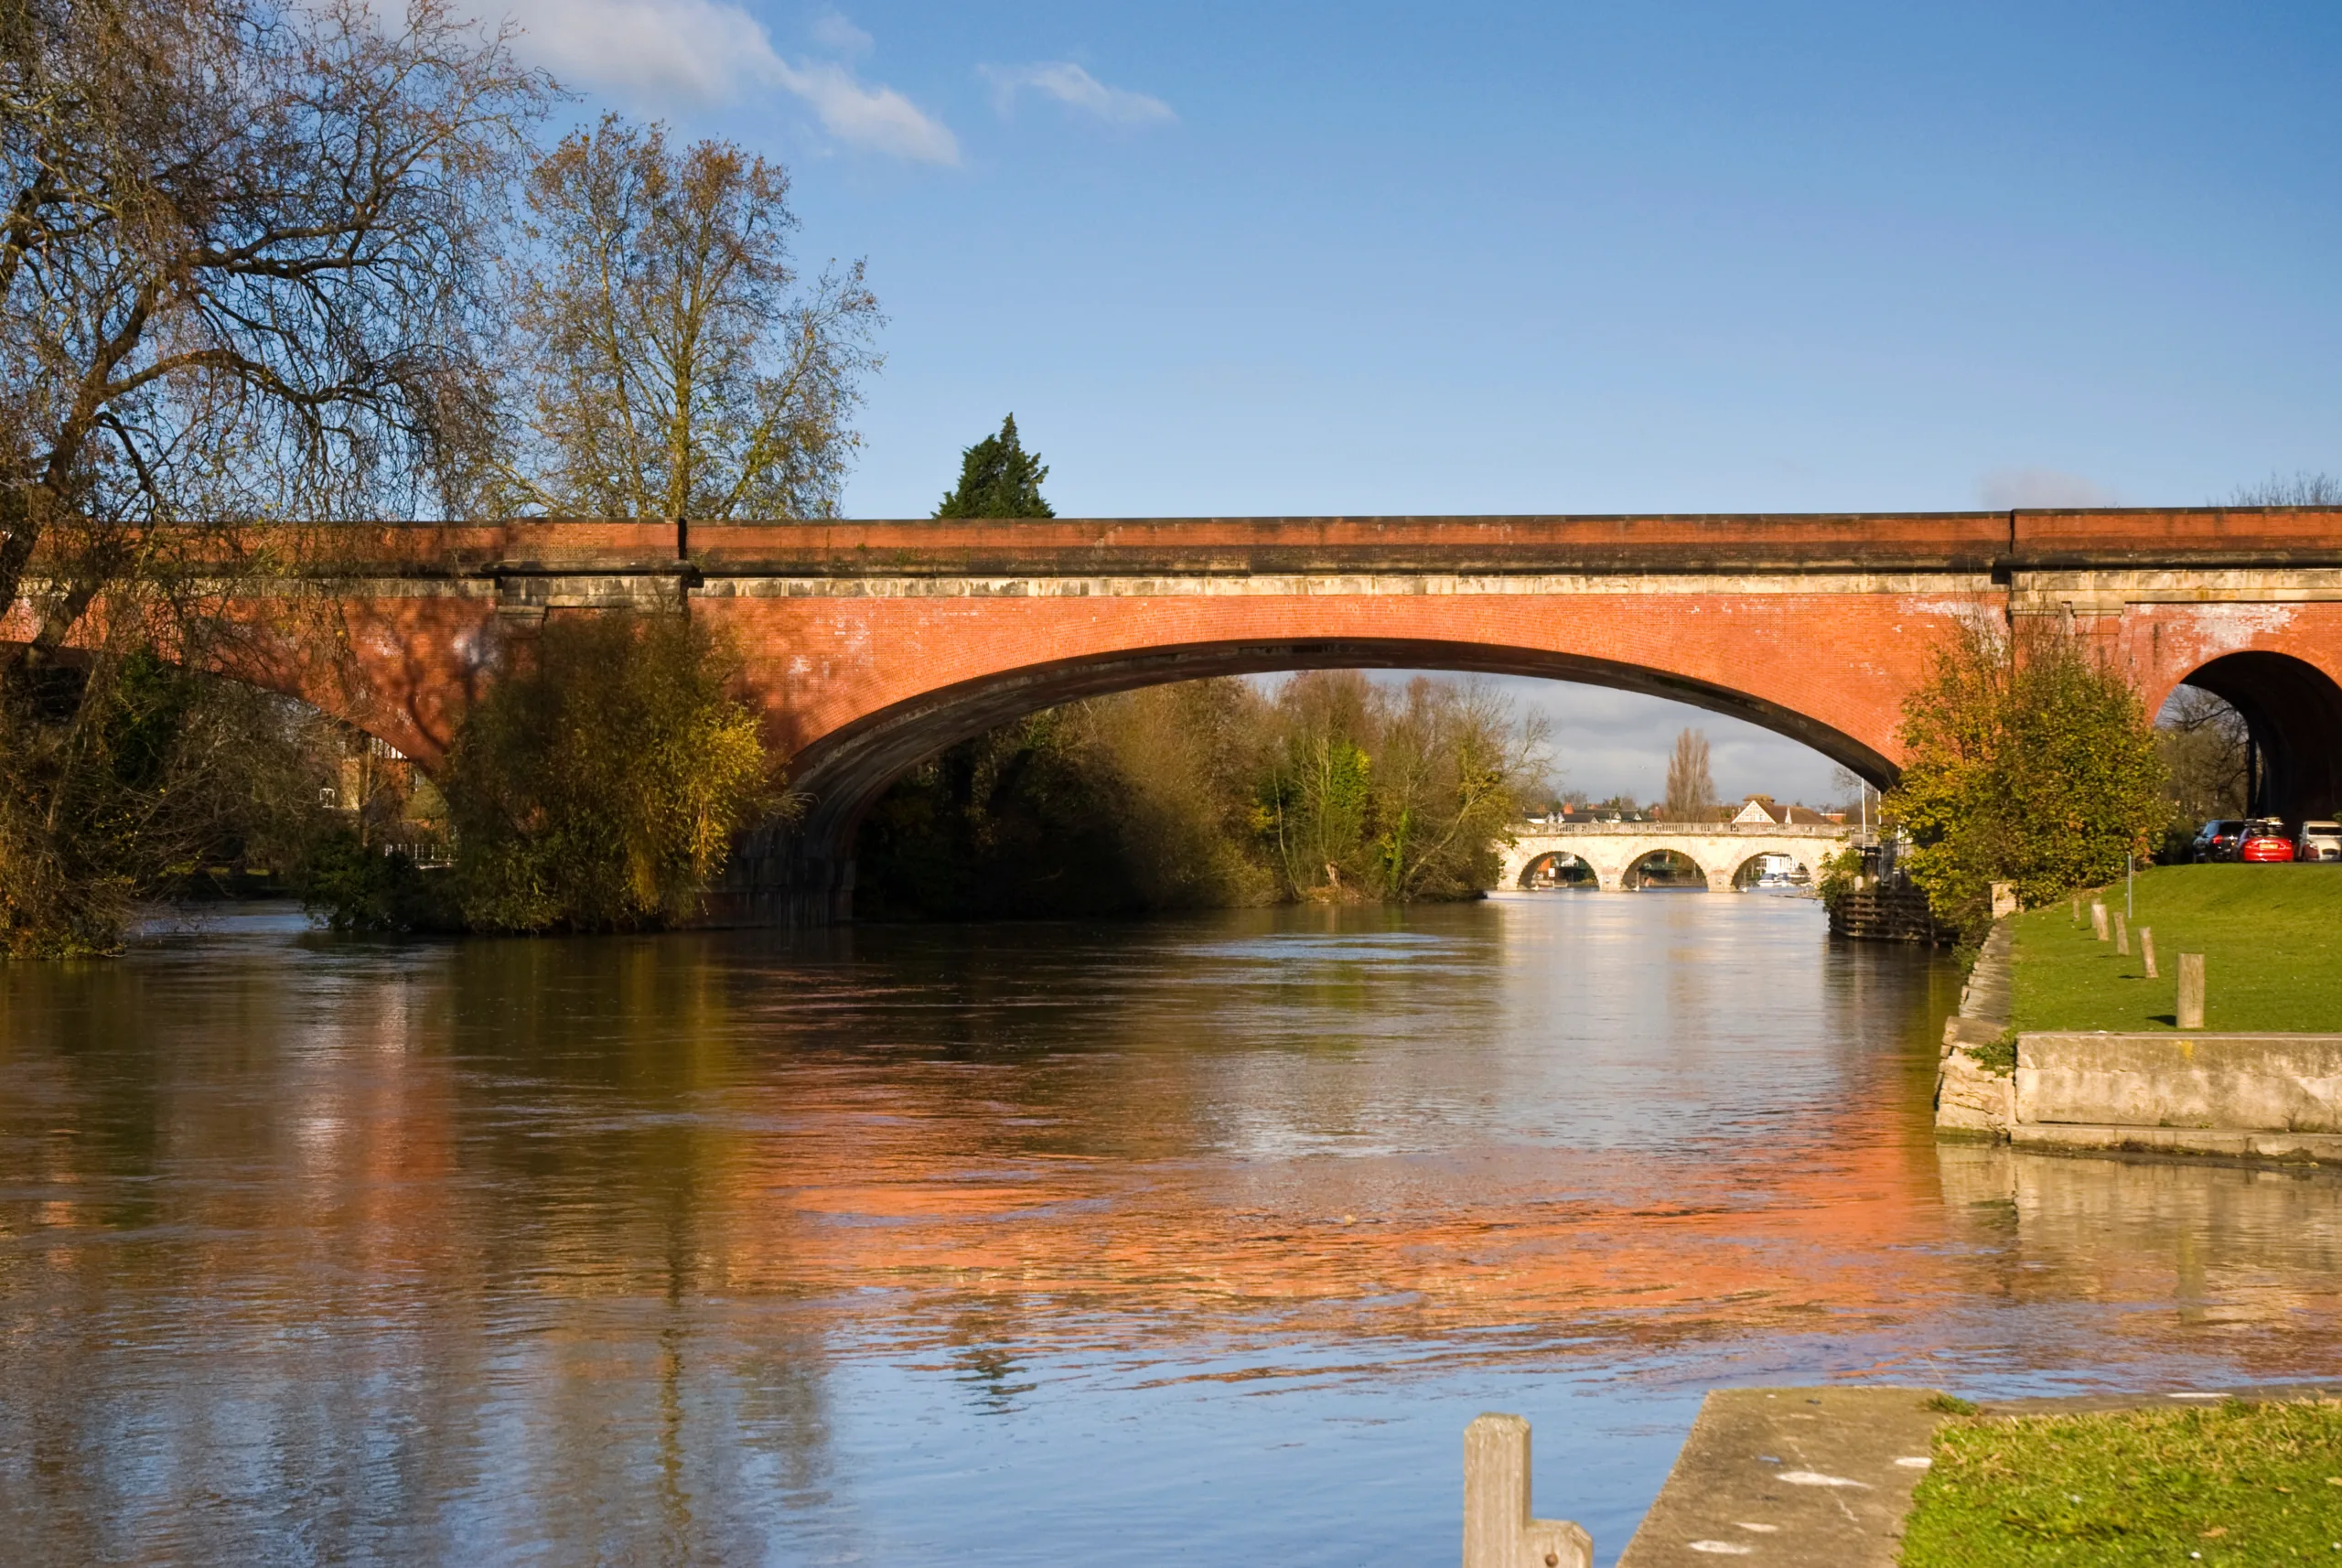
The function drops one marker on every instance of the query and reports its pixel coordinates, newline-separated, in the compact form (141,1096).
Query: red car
(2265,841)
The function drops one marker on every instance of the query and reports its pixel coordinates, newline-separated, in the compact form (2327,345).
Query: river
(1189,1241)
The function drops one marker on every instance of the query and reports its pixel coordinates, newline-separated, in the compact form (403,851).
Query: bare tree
(2208,752)
(2302,488)
(243,266)
(1691,793)
(672,367)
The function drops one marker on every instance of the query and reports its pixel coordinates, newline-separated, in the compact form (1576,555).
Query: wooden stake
(2190,1011)
(2147,949)
(2122,936)
(2098,920)
(1497,1531)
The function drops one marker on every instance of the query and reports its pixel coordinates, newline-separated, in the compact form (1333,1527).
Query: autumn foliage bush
(2028,759)
(599,784)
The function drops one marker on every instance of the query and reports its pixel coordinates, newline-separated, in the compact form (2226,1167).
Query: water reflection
(1191,1240)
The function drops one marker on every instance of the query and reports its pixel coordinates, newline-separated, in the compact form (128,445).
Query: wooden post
(1497,1531)
(2122,936)
(2190,1010)
(2098,920)
(2078,909)
(2147,949)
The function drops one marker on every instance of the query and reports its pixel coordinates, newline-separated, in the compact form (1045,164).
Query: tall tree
(1691,793)
(242,275)
(673,362)
(998,478)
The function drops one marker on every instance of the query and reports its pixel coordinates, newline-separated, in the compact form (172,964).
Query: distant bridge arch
(1611,850)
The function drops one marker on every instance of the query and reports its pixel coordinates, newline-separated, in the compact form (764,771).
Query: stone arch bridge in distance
(1721,850)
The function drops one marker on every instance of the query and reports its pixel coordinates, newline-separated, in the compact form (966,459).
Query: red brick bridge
(872,645)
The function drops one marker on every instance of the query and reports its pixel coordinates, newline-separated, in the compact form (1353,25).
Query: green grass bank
(2271,937)
(2234,1483)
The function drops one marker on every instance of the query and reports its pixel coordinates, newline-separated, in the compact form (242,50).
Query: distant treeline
(1328,787)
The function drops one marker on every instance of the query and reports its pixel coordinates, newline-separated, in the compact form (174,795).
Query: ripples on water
(1179,1241)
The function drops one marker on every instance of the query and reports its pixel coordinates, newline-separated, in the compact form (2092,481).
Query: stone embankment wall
(1970,1098)
(2264,1096)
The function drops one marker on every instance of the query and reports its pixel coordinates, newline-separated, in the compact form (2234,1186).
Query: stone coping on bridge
(1932,541)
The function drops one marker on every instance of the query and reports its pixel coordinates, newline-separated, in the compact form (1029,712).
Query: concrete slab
(1791,1476)
(2243,1082)
(2073,1137)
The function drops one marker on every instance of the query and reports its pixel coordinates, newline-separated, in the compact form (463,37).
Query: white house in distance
(1760,813)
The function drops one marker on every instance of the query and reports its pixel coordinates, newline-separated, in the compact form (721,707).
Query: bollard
(2098,920)
(2122,936)
(2190,1011)
(1497,1531)
(2147,949)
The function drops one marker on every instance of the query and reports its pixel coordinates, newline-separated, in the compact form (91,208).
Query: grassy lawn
(2235,1484)
(2271,937)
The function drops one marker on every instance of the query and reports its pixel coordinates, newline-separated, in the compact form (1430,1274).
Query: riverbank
(2271,937)
(1894,1477)
(2253,1478)
(2076,1048)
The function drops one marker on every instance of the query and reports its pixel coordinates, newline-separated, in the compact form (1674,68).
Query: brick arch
(2293,709)
(841,773)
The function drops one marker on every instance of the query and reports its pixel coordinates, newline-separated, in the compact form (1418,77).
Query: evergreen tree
(998,478)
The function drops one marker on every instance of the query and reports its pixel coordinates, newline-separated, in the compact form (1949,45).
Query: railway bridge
(868,646)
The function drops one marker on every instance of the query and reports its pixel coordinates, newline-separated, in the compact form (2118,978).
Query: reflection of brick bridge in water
(871,645)
(1721,850)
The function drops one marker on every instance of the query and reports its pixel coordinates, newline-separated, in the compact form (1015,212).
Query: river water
(1177,1241)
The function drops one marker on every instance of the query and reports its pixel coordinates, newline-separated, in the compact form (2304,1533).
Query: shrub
(599,784)
(353,886)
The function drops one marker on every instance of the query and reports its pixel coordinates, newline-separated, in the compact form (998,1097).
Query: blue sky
(1684,257)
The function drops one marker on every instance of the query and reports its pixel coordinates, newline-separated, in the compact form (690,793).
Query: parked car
(2217,840)
(2264,842)
(2319,840)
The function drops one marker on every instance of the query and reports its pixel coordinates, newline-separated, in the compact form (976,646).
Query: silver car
(2319,840)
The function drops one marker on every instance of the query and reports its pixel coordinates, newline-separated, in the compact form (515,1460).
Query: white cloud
(689,51)
(837,34)
(709,51)
(876,117)
(1072,85)
(2007,488)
